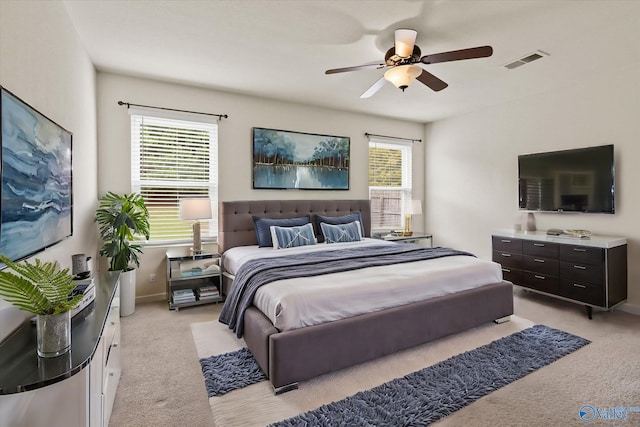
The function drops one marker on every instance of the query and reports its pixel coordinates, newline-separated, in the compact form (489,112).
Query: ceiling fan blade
(404,42)
(457,55)
(374,88)
(356,68)
(432,81)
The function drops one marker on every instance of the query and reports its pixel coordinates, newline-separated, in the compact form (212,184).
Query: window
(174,156)
(389,183)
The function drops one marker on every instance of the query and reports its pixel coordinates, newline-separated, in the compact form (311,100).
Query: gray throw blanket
(258,272)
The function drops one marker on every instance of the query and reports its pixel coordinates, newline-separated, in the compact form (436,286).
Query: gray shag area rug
(230,371)
(425,396)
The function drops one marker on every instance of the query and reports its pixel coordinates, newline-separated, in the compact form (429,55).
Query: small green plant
(120,218)
(40,288)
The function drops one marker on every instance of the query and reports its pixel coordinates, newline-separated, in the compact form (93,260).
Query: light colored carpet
(162,383)
(257,405)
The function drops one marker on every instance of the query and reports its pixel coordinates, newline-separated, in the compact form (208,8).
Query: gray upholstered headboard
(235,226)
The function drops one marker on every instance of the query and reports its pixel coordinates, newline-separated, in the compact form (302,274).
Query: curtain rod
(391,137)
(220,116)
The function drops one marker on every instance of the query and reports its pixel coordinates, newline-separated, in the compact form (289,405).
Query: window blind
(389,183)
(173,158)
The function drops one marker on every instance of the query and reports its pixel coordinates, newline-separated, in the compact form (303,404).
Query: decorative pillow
(335,220)
(340,233)
(263,231)
(290,237)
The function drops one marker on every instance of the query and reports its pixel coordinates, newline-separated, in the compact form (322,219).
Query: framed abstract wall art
(36,196)
(289,160)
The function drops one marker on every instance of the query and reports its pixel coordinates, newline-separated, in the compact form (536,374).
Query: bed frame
(292,356)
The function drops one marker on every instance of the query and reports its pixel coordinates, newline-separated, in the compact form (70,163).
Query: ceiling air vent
(525,59)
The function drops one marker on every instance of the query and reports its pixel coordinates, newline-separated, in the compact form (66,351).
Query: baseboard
(629,308)
(151,298)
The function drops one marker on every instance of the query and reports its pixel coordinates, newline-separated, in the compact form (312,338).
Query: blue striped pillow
(263,231)
(290,237)
(340,233)
(335,220)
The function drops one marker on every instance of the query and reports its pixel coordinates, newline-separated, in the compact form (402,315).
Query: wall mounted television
(36,192)
(577,180)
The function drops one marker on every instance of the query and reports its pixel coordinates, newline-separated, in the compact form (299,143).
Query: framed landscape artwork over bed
(288,160)
(36,202)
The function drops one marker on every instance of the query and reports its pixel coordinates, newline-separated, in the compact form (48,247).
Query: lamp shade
(405,40)
(195,208)
(415,208)
(403,75)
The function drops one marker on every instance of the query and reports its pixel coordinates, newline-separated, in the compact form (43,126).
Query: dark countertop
(20,367)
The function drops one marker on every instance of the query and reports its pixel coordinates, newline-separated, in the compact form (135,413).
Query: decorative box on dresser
(590,271)
(76,389)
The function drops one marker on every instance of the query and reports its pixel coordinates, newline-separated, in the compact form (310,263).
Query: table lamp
(195,209)
(415,208)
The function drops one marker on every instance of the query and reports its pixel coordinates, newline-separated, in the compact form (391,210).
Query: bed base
(293,356)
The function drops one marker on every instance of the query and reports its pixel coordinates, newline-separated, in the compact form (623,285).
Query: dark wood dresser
(590,271)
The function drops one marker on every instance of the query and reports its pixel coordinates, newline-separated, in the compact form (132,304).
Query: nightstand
(414,238)
(193,280)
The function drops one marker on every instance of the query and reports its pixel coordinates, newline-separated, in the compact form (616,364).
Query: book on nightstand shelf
(208,292)
(183,295)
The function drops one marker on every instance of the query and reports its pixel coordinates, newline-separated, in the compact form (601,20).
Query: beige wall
(43,63)
(472,163)
(235,146)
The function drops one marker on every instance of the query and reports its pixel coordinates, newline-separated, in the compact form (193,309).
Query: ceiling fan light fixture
(405,40)
(403,75)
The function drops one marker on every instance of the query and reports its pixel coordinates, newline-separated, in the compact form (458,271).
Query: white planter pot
(127,293)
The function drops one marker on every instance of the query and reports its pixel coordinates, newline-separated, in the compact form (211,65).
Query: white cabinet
(76,389)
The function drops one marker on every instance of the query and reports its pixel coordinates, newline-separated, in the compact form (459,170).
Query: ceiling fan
(402,57)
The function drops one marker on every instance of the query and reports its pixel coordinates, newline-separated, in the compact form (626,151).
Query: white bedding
(299,302)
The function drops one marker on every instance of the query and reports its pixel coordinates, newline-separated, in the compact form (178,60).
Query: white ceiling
(280,49)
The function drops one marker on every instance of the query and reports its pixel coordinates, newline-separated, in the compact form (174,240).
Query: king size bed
(417,294)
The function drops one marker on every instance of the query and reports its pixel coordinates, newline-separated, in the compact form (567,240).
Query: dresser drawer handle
(538,260)
(506,270)
(539,277)
(580,267)
(507,255)
(539,244)
(505,241)
(579,286)
(579,250)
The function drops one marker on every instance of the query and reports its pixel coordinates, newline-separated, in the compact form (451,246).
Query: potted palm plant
(42,289)
(120,218)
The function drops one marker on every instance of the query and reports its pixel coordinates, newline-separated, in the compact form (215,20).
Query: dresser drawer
(541,282)
(507,259)
(582,254)
(583,292)
(506,244)
(541,249)
(512,275)
(542,265)
(582,273)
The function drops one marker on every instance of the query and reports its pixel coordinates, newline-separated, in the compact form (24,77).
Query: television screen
(36,193)
(578,180)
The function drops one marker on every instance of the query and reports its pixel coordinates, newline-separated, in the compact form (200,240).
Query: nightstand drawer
(542,265)
(584,292)
(540,249)
(540,282)
(582,254)
(582,273)
(507,259)
(506,244)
